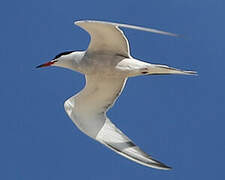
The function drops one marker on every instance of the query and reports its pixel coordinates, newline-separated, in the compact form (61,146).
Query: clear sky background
(179,120)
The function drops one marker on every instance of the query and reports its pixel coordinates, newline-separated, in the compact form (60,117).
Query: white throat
(70,61)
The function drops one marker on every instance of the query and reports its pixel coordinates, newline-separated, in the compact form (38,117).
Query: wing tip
(162,166)
(194,73)
(153,164)
(159,165)
(128,26)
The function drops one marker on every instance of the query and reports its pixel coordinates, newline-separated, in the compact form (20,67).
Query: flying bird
(107,64)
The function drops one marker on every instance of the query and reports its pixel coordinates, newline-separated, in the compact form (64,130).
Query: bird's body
(107,64)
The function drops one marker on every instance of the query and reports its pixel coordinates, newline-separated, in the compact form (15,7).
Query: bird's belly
(103,64)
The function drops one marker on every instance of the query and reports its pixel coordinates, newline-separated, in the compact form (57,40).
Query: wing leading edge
(106,37)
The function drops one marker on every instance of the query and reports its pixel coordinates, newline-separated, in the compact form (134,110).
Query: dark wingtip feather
(161,165)
(164,167)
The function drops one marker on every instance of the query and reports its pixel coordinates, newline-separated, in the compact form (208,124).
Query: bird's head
(61,60)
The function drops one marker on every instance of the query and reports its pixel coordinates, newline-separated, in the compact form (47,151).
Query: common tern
(107,64)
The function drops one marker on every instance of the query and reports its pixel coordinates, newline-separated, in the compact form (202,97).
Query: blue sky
(179,120)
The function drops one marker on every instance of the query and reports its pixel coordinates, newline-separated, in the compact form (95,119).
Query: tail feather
(135,67)
(155,69)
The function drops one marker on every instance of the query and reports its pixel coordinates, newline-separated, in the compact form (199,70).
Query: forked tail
(135,67)
(155,69)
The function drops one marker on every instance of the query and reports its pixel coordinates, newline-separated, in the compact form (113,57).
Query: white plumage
(107,64)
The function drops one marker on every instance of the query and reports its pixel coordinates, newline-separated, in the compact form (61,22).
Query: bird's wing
(88,110)
(116,140)
(106,37)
